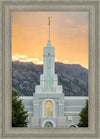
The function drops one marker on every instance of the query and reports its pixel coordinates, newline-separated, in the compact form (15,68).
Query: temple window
(48,109)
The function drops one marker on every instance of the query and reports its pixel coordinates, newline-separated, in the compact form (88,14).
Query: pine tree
(19,115)
(84,116)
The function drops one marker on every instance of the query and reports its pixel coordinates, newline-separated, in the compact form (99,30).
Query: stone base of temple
(65,113)
(37,122)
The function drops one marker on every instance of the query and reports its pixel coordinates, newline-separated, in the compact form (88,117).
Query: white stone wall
(70,115)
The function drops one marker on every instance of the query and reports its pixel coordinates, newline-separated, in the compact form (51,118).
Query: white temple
(48,107)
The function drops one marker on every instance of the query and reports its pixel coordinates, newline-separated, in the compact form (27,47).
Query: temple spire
(49,26)
(49,43)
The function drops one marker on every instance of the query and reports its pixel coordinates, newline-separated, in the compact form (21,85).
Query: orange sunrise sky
(68,34)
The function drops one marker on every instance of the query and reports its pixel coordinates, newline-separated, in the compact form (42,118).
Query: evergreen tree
(19,115)
(84,116)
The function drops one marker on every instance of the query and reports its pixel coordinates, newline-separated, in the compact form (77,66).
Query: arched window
(48,125)
(72,126)
(48,109)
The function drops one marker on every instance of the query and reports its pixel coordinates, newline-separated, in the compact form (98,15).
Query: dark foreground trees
(19,115)
(84,116)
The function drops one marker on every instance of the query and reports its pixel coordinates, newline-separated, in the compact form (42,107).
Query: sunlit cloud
(32,59)
(37,61)
(24,58)
(66,61)
(56,59)
(21,60)
(62,61)
(40,62)
(14,58)
(17,57)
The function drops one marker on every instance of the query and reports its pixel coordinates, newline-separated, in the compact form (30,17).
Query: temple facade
(48,107)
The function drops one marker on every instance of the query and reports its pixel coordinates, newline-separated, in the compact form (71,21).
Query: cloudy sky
(69,36)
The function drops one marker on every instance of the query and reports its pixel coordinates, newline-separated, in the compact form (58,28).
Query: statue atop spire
(49,20)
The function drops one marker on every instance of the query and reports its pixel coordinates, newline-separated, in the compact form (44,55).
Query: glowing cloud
(22,60)
(40,62)
(17,57)
(66,61)
(22,56)
(14,58)
(32,59)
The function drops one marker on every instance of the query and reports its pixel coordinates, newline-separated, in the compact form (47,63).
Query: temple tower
(48,99)
(48,80)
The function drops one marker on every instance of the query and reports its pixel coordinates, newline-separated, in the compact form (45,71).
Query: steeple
(48,80)
(49,43)
(49,26)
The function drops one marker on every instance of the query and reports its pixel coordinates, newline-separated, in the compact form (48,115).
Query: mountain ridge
(73,78)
